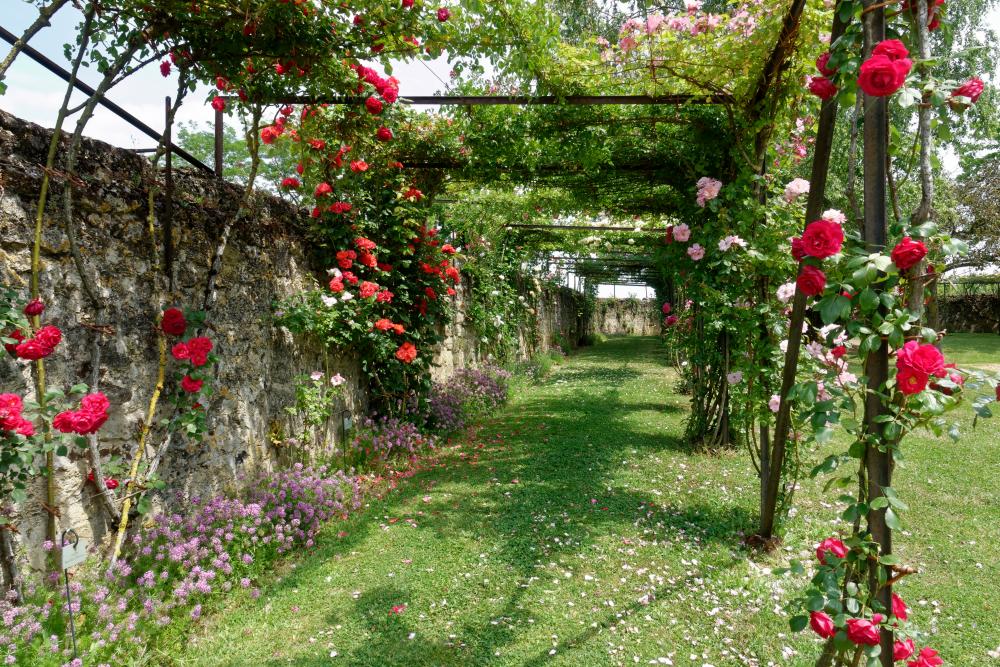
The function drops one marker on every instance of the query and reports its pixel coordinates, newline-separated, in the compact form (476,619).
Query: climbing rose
(269,134)
(345,258)
(901,650)
(443,14)
(822,64)
(811,281)
(173,322)
(671,320)
(822,87)
(822,239)
(219,104)
(797,187)
(88,419)
(191,385)
(708,189)
(180,352)
(48,337)
(666,308)
(448,249)
(384,134)
(911,382)
(696,252)
(881,76)
(374,105)
(34,307)
(908,253)
(893,49)
(833,215)
(383,324)
(290,182)
(798,252)
(682,233)
(199,348)
(928,657)
(407,4)
(918,361)
(368,289)
(899,610)
(822,624)
(971,89)
(359,166)
(774,404)
(786,292)
(165,68)
(336,285)
(323,189)
(832,546)
(406,352)
(862,631)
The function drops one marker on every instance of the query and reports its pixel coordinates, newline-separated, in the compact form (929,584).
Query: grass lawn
(980,351)
(577,529)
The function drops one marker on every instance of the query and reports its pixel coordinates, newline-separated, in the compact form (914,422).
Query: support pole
(814,208)
(878,454)
(219,133)
(168,204)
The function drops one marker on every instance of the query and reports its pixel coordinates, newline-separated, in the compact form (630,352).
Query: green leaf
(798,623)
(892,520)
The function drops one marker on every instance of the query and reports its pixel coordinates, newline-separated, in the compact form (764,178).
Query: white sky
(35,94)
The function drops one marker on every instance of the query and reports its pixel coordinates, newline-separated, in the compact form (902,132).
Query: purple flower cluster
(382,437)
(177,561)
(467,394)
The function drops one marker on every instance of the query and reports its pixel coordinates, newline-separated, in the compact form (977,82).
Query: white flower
(735,377)
(783,345)
(346,296)
(338,380)
(335,272)
(786,292)
(631,241)
(316,375)
(833,215)
(815,350)
(774,403)
(328,301)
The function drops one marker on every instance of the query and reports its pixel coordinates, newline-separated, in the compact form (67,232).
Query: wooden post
(771,482)
(168,204)
(878,462)
(219,135)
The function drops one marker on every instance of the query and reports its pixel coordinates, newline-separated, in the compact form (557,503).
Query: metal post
(877,461)
(219,130)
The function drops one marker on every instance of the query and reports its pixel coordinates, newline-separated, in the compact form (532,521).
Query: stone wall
(971,313)
(267,259)
(626,317)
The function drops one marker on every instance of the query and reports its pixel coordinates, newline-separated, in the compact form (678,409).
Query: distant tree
(199,140)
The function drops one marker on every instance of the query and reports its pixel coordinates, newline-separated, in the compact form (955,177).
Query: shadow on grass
(551,458)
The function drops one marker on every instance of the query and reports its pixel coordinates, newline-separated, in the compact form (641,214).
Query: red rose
(34,307)
(902,650)
(349,277)
(430,293)
(48,337)
(811,281)
(822,624)
(971,89)
(443,14)
(165,68)
(383,324)
(359,166)
(290,182)
(822,239)
(833,546)
(899,609)
(63,422)
(822,87)
(322,190)
(180,352)
(407,4)
(383,134)
(666,308)
(928,657)
(406,352)
(111,483)
(12,347)
(336,286)
(881,76)
(85,423)
(822,64)
(911,382)
(838,351)
(798,252)
(219,104)
(32,349)
(191,385)
(908,253)
(671,320)
(862,632)
(199,348)
(173,322)
(96,402)
(368,289)
(24,427)
(374,105)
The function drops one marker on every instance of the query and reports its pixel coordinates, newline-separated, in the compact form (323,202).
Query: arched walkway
(574,530)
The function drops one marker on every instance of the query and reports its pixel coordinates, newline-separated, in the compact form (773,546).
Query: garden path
(575,530)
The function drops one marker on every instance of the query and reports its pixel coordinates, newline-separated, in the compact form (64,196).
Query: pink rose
(696,252)
(666,308)
(443,14)
(910,382)
(881,76)
(902,650)
(681,233)
(34,307)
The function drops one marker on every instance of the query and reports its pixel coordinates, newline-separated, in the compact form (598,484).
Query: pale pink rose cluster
(795,189)
(729,241)
(708,189)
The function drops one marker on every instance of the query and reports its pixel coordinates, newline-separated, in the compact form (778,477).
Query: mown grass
(577,529)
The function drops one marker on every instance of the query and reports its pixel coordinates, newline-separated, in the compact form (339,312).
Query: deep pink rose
(822,624)
(911,382)
(822,64)
(893,49)
(899,608)
(96,402)
(191,385)
(822,87)
(798,252)
(822,239)
(881,76)
(373,105)
(443,14)
(671,320)
(384,134)
(927,657)
(923,359)
(666,308)
(32,349)
(48,337)
(908,253)
(862,631)
(832,546)
(972,89)
(902,650)
(811,281)
(63,422)
(34,307)
(86,423)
